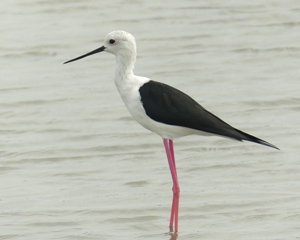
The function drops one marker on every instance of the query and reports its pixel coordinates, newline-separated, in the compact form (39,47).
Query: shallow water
(74,165)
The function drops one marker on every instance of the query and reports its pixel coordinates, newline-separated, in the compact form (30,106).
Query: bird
(162,109)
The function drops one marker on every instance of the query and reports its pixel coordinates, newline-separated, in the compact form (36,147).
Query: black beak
(100,49)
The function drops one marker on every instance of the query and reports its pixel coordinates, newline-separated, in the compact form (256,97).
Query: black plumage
(168,105)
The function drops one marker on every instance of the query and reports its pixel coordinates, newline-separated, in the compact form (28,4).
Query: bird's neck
(124,69)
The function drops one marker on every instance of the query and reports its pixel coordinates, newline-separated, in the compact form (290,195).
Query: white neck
(125,80)
(124,68)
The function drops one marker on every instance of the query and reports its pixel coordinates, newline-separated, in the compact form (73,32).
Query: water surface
(73,163)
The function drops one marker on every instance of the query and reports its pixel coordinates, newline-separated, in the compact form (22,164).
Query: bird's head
(119,43)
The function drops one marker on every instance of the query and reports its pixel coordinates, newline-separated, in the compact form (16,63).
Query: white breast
(129,91)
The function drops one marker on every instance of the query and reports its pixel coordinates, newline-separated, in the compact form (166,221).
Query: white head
(120,43)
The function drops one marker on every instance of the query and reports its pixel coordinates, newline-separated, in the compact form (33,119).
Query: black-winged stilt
(162,109)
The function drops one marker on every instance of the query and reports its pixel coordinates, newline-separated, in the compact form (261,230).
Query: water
(74,165)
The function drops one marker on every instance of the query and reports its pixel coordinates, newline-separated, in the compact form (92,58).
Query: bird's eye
(112,41)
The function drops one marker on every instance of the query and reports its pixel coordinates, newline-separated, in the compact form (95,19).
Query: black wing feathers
(168,105)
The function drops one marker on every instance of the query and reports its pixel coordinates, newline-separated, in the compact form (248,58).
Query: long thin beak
(100,49)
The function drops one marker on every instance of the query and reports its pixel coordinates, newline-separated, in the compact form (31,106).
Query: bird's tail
(248,137)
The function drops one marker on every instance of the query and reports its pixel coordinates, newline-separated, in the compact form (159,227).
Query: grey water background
(73,163)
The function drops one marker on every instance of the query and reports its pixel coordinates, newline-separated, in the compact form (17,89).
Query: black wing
(168,105)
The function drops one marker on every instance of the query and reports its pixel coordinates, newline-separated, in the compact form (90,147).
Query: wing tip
(250,138)
(265,143)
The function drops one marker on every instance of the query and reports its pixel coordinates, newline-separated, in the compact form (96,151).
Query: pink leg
(175,201)
(176,190)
